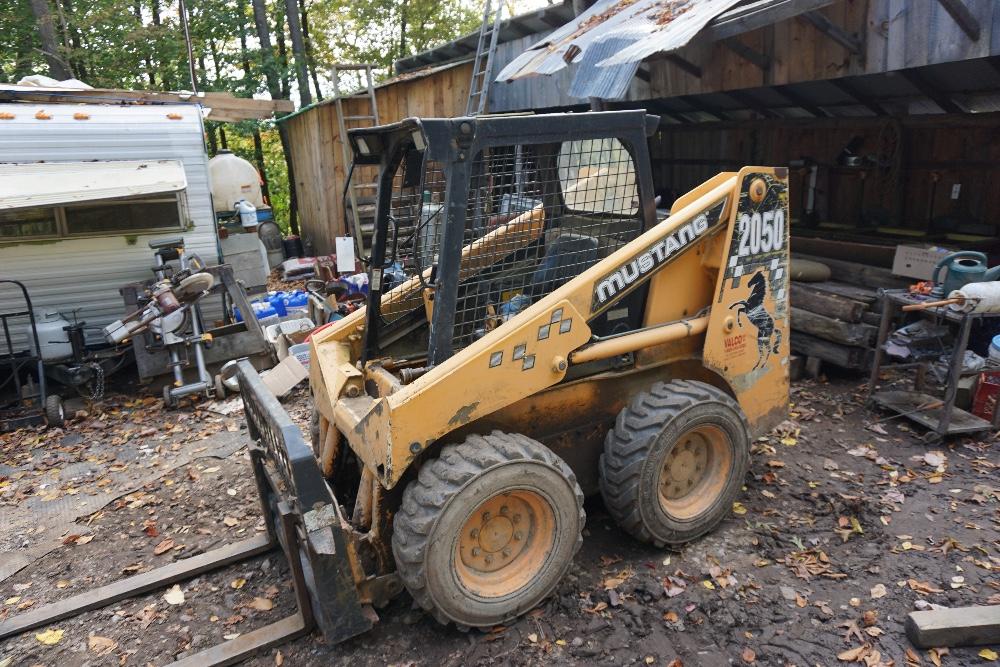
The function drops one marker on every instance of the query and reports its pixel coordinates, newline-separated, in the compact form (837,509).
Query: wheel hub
(504,543)
(695,471)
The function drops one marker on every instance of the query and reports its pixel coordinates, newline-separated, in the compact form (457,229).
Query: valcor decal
(622,279)
(768,338)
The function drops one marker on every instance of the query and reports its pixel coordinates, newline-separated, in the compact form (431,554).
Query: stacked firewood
(836,321)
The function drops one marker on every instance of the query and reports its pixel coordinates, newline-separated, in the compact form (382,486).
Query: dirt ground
(845,525)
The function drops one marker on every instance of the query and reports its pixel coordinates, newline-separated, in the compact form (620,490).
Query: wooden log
(845,356)
(960,626)
(872,318)
(828,328)
(874,277)
(841,308)
(862,294)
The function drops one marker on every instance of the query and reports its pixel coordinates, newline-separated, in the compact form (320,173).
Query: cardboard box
(917,261)
(282,378)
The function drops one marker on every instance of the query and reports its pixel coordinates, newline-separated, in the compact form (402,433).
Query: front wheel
(488,529)
(674,462)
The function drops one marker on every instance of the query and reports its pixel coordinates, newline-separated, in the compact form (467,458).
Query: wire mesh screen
(537,216)
(416,212)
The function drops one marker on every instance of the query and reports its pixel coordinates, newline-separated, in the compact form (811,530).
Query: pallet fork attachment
(301,517)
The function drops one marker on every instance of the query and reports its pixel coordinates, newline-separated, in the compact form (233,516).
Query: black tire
(220,388)
(636,451)
(55,413)
(430,539)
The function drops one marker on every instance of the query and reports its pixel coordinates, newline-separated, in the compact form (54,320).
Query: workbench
(937,414)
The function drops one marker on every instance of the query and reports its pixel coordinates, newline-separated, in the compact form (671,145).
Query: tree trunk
(78,58)
(310,56)
(222,137)
(299,51)
(402,29)
(258,156)
(213,144)
(258,146)
(286,88)
(47,35)
(274,87)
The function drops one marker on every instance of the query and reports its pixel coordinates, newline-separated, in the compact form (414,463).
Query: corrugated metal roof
(614,36)
(24,185)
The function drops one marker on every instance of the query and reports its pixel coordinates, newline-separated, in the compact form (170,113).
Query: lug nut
(517,518)
(474,533)
(475,551)
(518,535)
(489,560)
(506,552)
(504,510)
(486,516)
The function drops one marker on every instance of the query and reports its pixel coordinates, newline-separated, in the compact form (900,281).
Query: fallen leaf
(708,584)
(854,654)
(739,509)
(164,546)
(238,583)
(279,659)
(922,587)
(748,655)
(174,595)
(599,607)
(676,662)
(533,638)
(230,521)
(262,604)
(670,617)
(50,637)
(935,654)
(101,645)
(878,591)
(988,654)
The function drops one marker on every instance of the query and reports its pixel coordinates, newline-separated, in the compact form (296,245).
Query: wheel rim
(695,472)
(505,543)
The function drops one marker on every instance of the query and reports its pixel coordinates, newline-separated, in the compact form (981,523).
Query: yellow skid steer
(557,337)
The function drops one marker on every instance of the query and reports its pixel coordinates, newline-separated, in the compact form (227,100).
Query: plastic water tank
(51,337)
(233,179)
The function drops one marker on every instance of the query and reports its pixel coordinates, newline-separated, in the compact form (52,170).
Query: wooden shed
(887,111)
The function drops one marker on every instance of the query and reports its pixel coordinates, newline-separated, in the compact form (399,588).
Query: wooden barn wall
(935,153)
(316,152)
(895,34)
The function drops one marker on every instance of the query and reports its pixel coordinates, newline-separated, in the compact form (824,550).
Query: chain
(97,384)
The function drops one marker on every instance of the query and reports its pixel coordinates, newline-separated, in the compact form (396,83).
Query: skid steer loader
(556,338)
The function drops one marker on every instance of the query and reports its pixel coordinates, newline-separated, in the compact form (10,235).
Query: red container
(985,401)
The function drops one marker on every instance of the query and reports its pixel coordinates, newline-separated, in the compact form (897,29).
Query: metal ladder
(482,68)
(365,71)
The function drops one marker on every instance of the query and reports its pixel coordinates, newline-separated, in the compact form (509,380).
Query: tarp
(610,39)
(25,185)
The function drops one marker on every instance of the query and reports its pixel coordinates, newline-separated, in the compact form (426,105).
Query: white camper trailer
(84,188)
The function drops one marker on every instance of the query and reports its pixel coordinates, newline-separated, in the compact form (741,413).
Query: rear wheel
(488,529)
(674,462)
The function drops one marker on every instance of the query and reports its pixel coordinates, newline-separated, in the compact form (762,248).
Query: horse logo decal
(768,338)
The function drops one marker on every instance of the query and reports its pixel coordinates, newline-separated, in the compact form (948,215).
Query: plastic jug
(963,267)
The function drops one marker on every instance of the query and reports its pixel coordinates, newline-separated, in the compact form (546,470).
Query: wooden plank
(845,356)
(758,15)
(963,17)
(861,294)
(828,28)
(828,328)
(959,626)
(860,274)
(837,307)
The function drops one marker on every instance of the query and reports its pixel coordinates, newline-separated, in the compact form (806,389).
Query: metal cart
(29,404)
(938,414)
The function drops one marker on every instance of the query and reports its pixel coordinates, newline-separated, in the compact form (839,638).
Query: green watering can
(967,266)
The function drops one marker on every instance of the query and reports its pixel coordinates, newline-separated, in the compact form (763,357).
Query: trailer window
(28,223)
(127,215)
(121,216)
(597,176)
